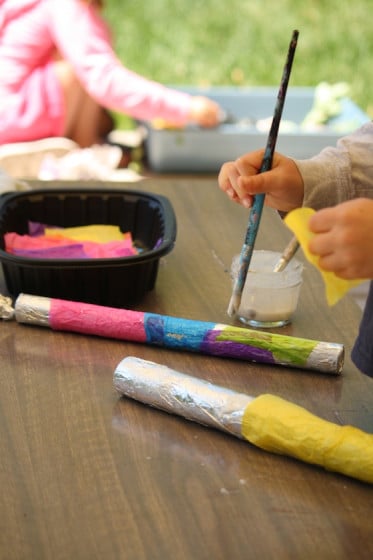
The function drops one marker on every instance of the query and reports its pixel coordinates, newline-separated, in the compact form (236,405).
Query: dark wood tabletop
(85,474)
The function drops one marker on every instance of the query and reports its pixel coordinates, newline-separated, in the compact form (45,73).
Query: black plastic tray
(115,282)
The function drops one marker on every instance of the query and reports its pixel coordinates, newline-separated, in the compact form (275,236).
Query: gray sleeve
(341,173)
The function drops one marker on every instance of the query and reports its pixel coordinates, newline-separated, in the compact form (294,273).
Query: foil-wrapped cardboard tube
(177,393)
(181,334)
(267,421)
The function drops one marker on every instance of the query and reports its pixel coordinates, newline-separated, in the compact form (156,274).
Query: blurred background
(244,42)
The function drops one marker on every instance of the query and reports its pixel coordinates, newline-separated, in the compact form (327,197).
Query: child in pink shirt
(59,75)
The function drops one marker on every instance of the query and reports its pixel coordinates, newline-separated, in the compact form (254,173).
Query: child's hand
(282,185)
(204,111)
(344,238)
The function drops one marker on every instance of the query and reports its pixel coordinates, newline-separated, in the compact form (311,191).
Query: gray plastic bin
(194,149)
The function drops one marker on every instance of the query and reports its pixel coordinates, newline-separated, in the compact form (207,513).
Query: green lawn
(244,42)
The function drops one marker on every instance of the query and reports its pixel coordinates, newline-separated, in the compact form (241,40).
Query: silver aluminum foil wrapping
(177,393)
(6,308)
(327,357)
(32,309)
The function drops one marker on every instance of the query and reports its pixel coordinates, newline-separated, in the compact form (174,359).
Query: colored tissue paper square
(37,228)
(96,241)
(97,233)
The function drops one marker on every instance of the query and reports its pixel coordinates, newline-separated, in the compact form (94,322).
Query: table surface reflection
(86,474)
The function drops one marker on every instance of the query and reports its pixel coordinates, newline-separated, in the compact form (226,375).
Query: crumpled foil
(6,308)
(178,393)
(32,309)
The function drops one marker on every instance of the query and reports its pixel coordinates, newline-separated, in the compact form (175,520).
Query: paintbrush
(287,255)
(257,207)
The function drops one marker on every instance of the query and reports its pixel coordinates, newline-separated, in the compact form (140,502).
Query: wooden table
(85,474)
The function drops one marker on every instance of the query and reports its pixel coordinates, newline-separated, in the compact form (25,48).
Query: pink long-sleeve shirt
(31,99)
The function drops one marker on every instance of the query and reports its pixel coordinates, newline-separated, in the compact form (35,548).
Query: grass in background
(244,42)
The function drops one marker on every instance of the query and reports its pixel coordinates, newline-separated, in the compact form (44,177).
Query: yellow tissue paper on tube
(282,427)
(335,287)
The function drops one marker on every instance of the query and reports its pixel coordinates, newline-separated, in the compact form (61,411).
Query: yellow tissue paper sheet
(282,427)
(96,233)
(335,287)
